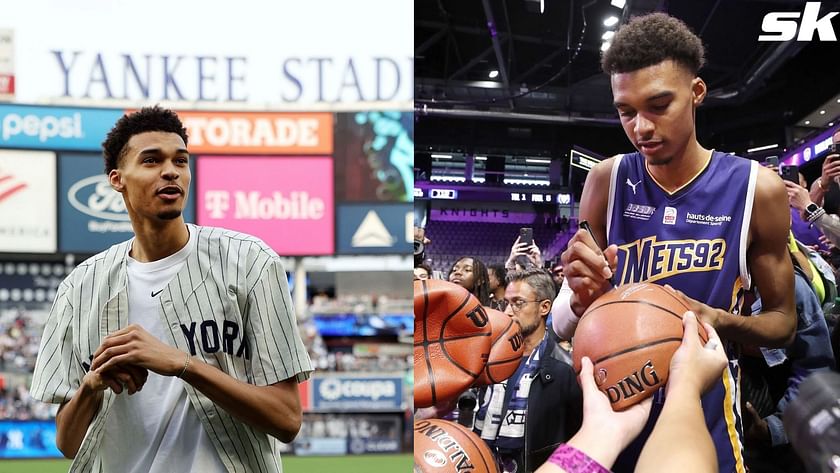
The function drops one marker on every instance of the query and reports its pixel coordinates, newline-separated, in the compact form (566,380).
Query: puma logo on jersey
(630,183)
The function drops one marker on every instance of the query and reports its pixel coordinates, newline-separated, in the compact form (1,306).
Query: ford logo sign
(94,196)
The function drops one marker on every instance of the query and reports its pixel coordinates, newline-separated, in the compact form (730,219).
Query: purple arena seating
(489,242)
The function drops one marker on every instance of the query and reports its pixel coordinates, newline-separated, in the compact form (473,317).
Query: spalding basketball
(506,348)
(451,341)
(630,334)
(441,446)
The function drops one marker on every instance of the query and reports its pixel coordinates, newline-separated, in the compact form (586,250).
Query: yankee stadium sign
(255,53)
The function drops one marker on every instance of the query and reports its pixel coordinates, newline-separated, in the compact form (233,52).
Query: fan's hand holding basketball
(618,426)
(604,432)
(587,269)
(695,367)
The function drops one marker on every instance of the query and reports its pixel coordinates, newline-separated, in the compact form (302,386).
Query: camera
(419,252)
(812,422)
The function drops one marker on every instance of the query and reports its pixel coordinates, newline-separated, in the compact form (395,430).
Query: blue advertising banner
(363,325)
(377,229)
(55,127)
(373,445)
(92,215)
(28,439)
(358,394)
(320,446)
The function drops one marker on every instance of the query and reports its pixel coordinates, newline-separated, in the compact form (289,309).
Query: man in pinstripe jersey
(206,305)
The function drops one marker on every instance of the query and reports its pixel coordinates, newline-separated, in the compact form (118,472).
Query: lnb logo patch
(783,26)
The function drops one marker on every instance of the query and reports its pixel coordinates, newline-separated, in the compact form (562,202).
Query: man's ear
(698,91)
(545,308)
(115,179)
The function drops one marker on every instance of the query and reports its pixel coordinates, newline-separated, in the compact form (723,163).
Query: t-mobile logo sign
(297,205)
(783,25)
(216,203)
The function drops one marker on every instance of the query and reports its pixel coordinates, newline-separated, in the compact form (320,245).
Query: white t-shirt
(156,429)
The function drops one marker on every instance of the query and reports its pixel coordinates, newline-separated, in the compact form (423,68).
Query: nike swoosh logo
(154,294)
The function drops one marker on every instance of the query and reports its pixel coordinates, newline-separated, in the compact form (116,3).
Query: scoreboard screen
(443,192)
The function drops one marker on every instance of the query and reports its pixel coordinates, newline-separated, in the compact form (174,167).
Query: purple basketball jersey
(695,240)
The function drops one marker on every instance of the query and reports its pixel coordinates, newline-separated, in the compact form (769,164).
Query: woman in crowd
(471,274)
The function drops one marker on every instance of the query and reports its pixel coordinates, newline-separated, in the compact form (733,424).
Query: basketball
(441,446)
(630,334)
(451,341)
(505,348)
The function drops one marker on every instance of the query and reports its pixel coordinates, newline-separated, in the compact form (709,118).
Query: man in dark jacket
(524,418)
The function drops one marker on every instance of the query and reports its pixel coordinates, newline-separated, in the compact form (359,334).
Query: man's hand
(587,269)
(535,255)
(133,345)
(797,196)
(758,433)
(516,250)
(420,235)
(117,379)
(704,313)
(830,170)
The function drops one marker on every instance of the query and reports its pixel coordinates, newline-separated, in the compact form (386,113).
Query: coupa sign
(55,127)
(338,392)
(93,215)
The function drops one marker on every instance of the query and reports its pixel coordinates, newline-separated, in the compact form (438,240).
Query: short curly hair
(650,39)
(144,120)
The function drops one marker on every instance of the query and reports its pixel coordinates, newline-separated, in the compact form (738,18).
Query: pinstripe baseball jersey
(229,306)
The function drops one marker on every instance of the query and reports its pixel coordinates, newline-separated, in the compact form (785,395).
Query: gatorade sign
(259,133)
(380,229)
(55,127)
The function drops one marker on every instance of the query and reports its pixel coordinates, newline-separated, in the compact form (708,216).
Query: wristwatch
(813,212)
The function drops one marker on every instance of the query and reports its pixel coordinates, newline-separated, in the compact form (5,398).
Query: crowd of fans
(770,377)
(17,404)
(20,334)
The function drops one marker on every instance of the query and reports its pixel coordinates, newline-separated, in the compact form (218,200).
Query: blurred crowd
(21,330)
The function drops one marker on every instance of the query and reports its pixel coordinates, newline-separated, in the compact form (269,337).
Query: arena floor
(291,464)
